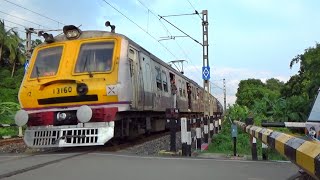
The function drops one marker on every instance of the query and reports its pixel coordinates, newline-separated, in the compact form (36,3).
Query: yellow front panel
(65,81)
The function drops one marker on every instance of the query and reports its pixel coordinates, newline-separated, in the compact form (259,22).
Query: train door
(159,87)
(173,102)
(166,96)
(137,84)
(189,91)
(147,84)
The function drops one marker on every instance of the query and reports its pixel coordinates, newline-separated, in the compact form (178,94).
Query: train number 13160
(62,90)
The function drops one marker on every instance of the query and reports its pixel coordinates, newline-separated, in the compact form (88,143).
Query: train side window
(158,79)
(165,81)
(131,54)
(183,88)
(180,88)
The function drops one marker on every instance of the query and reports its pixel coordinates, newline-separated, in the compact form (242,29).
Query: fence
(196,133)
(20,134)
(304,153)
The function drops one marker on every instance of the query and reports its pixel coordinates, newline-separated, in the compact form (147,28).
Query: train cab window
(95,57)
(165,81)
(158,79)
(47,62)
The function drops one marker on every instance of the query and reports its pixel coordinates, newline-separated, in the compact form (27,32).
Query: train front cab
(74,103)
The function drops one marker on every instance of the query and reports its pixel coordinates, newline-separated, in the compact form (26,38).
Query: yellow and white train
(83,88)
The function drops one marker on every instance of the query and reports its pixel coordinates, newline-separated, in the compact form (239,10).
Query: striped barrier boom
(303,153)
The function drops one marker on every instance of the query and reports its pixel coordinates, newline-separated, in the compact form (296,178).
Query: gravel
(13,148)
(20,147)
(153,147)
(147,148)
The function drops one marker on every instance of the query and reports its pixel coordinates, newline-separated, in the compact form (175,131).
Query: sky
(247,38)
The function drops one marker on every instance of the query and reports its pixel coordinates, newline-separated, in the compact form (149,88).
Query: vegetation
(12,59)
(273,101)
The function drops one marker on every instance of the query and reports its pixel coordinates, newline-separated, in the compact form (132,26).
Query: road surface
(115,166)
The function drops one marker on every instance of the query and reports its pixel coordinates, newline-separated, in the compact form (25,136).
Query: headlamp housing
(71,32)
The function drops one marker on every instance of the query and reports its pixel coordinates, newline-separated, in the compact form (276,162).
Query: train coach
(83,88)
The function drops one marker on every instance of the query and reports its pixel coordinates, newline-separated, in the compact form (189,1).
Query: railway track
(72,152)
(10,141)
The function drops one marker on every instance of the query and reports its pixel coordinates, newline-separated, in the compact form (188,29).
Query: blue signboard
(206,73)
(26,65)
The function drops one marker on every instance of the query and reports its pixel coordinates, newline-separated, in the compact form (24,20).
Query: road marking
(188,159)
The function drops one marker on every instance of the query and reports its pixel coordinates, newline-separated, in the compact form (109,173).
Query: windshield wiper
(85,66)
(37,72)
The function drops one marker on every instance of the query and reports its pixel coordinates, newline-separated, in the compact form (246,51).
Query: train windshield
(95,57)
(47,62)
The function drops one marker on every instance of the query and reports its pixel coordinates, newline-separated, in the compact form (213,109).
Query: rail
(302,152)
(20,134)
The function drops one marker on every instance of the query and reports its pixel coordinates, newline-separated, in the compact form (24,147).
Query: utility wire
(196,12)
(165,27)
(14,23)
(13,28)
(175,15)
(161,17)
(23,19)
(139,27)
(34,12)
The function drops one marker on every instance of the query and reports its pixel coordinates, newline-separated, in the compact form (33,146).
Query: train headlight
(21,118)
(84,114)
(82,89)
(61,116)
(71,32)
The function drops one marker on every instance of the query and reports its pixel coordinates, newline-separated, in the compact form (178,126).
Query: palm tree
(10,41)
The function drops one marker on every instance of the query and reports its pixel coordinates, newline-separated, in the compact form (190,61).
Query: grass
(223,143)
(7,118)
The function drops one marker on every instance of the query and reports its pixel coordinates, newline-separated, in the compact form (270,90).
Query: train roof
(96,33)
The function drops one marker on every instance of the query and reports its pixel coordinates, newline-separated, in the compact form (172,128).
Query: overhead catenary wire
(196,12)
(167,30)
(161,17)
(5,20)
(34,12)
(23,19)
(13,28)
(139,27)
(149,10)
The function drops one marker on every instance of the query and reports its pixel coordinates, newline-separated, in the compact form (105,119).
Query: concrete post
(198,134)
(211,126)
(205,130)
(189,137)
(184,136)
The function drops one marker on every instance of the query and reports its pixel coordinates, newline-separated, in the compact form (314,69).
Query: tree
(251,90)
(274,84)
(309,70)
(11,47)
